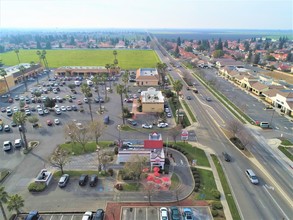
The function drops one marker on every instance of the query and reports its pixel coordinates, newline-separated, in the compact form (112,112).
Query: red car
(79,102)
(49,122)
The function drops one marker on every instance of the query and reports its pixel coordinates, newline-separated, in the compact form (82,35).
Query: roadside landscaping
(77,173)
(226,188)
(189,111)
(285,150)
(76,148)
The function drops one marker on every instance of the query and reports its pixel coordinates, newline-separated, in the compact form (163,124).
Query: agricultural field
(127,59)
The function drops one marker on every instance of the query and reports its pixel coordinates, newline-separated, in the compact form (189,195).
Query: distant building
(147,77)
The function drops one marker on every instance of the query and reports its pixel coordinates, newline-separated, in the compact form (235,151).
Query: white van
(89,82)
(251,176)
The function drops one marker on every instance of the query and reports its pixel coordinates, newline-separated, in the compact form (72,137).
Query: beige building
(147,77)
(15,76)
(80,70)
(152,100)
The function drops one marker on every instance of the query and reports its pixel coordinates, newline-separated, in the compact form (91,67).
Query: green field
(127,59)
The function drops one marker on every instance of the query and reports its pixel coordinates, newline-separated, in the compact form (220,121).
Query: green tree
(22,69)
(249,56)
(246,46)
(48,45)
(226,44)
(256,58)
(44,58)
(218,53)
(289,57)
(3,199)
(86,90)
(20,118)
(177,53)
(135,166)
(3,73)
(177,86)
(115,54)
(72,40)
(219,45)
(97,127)
(121,90)
(49,102)
(39,46)
(15,202)
(33,119)
(178,41)
(125,78)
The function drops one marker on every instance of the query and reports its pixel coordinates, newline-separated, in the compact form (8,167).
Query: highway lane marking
(269,187)
(286,128)
(276,202)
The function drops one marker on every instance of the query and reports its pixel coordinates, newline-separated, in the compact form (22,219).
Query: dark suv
(32,215)
(83,179)
(93,180)
(226,156)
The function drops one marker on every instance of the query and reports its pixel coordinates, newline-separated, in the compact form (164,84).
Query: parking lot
(55,216)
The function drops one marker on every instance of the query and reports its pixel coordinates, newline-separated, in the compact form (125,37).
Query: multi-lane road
(255,202)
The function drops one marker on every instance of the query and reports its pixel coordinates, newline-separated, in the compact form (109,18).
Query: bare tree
(245,138)
(175,132)
(150,189)
(59,159)
(135,166)
(79,133)
(97,127)
(234,126)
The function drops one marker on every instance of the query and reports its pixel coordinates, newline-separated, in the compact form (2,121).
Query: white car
(7,145)
(27,112)
(85,100)
(163,213)
(56,121)
(148,126)
(40,111)
(162,125)
(18,143)
(63,108)
(167,110)
(68,108)
(15,109)
(57,111)
(87,215)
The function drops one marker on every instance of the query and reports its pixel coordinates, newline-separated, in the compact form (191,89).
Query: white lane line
(286,128)
(276,202)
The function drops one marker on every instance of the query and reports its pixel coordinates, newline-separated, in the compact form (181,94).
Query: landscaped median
(226,188)
(284,147)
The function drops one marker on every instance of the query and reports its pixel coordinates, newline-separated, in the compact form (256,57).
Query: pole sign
(184,135)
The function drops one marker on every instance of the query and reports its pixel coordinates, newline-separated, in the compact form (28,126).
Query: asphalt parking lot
(55,217)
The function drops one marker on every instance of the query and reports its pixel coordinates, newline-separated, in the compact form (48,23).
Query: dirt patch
(280,76)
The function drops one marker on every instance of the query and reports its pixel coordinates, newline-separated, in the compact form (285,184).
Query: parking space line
(61,217)
(72,217)
(51,217)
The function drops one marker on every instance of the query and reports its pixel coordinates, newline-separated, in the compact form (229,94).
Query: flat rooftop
(148,72)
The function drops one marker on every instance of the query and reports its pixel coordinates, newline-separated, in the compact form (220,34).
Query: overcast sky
(239,14)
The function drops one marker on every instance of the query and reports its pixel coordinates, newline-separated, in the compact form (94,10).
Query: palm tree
(15,202)
(3,73)
(115,53)
(107,66)
(22,69)
(177,85)
(96,81)
(20,118)
(32,63)
(17,54)
(3,199)
(86,90)
(43,57)
(125,78)
(120,90)
(104,80)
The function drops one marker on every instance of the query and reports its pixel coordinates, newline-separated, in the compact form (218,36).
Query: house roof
(286,94)
(271,92)
(259,86)
(153,144)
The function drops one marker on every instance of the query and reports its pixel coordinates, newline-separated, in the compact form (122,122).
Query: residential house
(228,62)
(147,77)
(152,100)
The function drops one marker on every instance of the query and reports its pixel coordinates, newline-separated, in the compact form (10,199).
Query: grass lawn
(189,111)
(286,152)
(127,128)
(207,185)
(174,181)
(75,173)
(286,142)
(131,187)
(128,59)
(227,191)
(76,149)
(195,153)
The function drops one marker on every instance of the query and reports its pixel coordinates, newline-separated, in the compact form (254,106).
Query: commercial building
(80,70)
(152,100)
(147,77)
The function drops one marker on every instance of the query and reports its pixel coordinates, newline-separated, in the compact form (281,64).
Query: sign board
(184,135)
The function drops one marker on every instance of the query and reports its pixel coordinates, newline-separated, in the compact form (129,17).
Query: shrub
(197,185)
(196,189)
(216,194)
(116,150)
(215,213)
(111,171)
(197,180)
(193,168)
(195,172)
(37,187)
(217,205)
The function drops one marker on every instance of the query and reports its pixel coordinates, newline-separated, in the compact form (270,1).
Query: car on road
(188,97)
(63,180)
(18,143)
(163,213)
(162,125)
(187,214)
(175,214)
(99,215)
(49,122)
(208,99)
(33,215)
(7,145)
(93,180)
(83,179)
(148,126)
(87,215)
(7,128)
(226,156)
(131,122)
(251,176)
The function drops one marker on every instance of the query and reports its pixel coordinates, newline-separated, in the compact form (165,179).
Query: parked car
(7,145)
(87,215)
(18,143)
(167,110)
(79,102)
(163,213)
(3,109)
(49,122)
(148,126)
(131,122)
(162,125)
(63,108)
(7,128)
(56,121)
(93,180)
(13,124)
(27,112)
(63,180)
(74,108)
(83,179)
(175,214)
(226,156)
(169,115)
(187,214)
(99,215)
(33,215)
